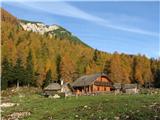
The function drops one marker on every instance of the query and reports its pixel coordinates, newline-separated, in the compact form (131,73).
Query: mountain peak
(38,27)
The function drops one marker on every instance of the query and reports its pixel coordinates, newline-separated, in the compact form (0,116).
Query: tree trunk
(17,84)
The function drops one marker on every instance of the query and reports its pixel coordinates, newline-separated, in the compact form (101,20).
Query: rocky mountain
(38,27)
(41,28)
(50,30)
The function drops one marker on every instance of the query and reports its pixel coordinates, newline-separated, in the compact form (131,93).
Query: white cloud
(64,9)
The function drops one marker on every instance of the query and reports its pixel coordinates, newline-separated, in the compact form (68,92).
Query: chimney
(61,81)
(62,90)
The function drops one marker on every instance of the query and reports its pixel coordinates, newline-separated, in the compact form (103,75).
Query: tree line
(120,68)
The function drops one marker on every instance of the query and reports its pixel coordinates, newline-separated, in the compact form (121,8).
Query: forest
(32,59)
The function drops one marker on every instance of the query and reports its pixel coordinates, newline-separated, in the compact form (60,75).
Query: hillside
(50,30)
(7,17)
(33,49)
(17,43)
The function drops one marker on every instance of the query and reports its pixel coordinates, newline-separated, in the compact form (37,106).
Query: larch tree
(126,68)
(138,70)
(115,68)
(147,74)
(67,69)
(81,65)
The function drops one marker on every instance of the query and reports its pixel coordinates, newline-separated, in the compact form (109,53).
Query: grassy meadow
(101,107)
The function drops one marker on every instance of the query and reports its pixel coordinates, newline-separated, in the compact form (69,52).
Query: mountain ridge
(51,30)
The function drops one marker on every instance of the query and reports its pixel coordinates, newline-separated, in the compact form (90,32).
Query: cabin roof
(130,86)
(53,86)
(87,80)
(124,86)
(117,85)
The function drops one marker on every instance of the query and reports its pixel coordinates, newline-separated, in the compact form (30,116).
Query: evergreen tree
(95,55)
(19,72)
(81,65)
(155,67)
(157,78)
(106,69)
(10,35)
(6,73)
(48,79)
(58,68)
(29,70)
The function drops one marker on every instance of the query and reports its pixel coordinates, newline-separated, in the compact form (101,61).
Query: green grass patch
(103,107)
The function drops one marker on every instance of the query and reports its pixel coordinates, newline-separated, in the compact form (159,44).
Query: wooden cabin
(63,90)
(92,84)
(130,88)
(125,88)
(117,87)
(52,89)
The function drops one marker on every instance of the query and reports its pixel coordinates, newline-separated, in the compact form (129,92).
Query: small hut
(52,89)
(117,87)
(130,88)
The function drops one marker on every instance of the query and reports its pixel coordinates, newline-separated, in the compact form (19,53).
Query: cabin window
(105,89)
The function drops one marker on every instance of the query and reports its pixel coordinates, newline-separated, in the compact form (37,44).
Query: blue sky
(128,27)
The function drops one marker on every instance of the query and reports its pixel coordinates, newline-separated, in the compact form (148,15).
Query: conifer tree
(29,69)
(138,70)
(67,69)
(147,74)
(81,65)
(19,72)
(155,68)
(106,67)
(48,78)
(10,36)
(6,73)
(116,69)
(126,68)
(95,55)
(157,78)
(58,68)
